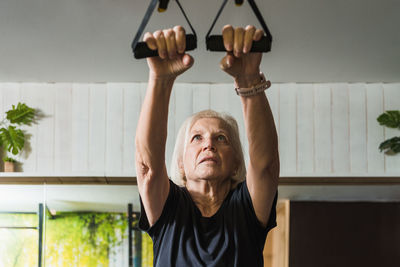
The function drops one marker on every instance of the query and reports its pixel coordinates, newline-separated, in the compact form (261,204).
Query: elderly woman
(211,212)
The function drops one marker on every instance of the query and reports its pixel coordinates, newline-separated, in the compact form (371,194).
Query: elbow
(268,168)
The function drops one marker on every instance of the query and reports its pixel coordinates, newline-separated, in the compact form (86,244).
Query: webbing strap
(144,22)
(146,19)
(256,12)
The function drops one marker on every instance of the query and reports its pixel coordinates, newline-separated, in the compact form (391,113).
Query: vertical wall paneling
(171,134)
(340,128)
(322,129)
(63,128)
(287,131)
(305,131)
(218,96)
(273,100)
(235,109)
(29,157)
(132,103)
(80,127)
(11,96)
(45,133)
(201,96)
(392,102)
(358,128)
(375,159)
(183,104)
(97,127)
(114,124)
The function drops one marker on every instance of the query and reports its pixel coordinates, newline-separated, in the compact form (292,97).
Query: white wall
(89,129)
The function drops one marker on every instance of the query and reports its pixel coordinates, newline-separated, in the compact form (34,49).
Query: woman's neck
(208,195)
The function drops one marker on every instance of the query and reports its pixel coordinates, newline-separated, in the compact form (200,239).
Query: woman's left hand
(238,61)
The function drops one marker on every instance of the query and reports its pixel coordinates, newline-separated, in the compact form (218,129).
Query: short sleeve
(251,214)
(167,212)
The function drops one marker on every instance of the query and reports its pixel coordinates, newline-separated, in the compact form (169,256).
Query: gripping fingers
(238,42)
(161,45)
(180,38)
(150,41)
(258,34)
(170,42)
(248,38)
(227,35)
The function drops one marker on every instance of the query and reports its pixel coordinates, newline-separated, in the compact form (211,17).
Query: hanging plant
(12,139)
(391,119)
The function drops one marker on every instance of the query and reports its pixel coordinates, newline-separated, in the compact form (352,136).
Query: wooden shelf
(20,178)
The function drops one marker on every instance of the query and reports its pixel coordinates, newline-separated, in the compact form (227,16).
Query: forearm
(151,133)
(260,129)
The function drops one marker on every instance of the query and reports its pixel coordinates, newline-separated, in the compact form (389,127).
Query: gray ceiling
(89,40)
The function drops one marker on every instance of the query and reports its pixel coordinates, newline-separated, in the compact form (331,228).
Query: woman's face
(209,154)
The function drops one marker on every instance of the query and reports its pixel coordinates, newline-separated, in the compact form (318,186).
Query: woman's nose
(209,145)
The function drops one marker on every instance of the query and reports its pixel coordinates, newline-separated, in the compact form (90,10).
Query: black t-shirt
(233,236)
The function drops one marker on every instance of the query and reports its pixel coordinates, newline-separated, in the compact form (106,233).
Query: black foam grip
(143,51)
(216,43)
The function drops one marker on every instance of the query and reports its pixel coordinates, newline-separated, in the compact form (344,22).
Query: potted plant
(9,164)
(12,139)
(391,119)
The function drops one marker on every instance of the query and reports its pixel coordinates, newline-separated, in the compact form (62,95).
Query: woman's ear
(181,168)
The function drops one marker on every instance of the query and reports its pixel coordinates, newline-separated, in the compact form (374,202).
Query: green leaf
(391,119)
(22,114)
(13,139)
(391,146)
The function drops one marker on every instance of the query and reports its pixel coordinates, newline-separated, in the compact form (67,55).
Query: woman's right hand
(172,59)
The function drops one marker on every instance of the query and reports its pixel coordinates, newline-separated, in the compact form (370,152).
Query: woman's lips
(209,160)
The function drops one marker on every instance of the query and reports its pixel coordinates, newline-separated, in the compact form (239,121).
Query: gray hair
(177,176)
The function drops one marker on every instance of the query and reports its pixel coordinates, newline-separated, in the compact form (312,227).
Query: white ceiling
(89,40)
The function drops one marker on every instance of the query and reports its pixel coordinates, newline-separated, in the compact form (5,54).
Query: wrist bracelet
(256,89)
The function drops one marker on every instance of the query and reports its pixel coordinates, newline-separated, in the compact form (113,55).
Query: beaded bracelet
(256,89)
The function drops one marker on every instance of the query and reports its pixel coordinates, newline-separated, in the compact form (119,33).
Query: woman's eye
(221,138)
(196,137)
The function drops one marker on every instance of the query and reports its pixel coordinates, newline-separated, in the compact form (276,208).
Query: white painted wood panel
(287,131)
(80,128)
(305,129)
(114,128)
(235,110)
(97,127)
(218,97)
(322,129)
(63,128)
(273,99)
(392,102)
(358,128)
(44,93)
(201,96)
(340,128)
(183,104)
(132,103)
(375,133)
(29,156)
(171,135)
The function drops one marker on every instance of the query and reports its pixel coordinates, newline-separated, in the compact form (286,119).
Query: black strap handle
(216,43)
(141,50)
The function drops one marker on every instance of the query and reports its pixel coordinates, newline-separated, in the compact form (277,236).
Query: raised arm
(151,131)
(263,168)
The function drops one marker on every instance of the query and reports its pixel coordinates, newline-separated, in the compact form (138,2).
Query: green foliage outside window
(71,239)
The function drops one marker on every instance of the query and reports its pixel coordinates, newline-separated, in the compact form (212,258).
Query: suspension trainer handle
(141,50)
(216,42)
